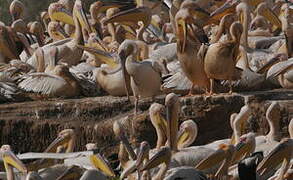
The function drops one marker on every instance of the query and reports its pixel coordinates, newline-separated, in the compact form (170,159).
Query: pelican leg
(211,87)
(230,86)
(136,105)
(190,91)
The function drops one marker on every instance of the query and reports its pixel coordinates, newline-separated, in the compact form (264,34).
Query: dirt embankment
(31,126)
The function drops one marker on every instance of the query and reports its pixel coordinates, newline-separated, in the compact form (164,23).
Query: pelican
(138,71)
(266,143)
(7,44)
(259,24)
(131,18)
(52,83)
(187,48)
(10,161)
(283,72)
(37,30)
(281,154)
(16,10)
(68,51)
(223,27)
(221,58)
(56,31)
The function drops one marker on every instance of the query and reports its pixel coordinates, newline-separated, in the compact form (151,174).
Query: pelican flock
(128,48)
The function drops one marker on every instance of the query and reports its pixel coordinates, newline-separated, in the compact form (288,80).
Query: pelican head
(78,11)
(16,9)
(58,12)
(126,49)
(187,134)
(245,147)
(172,105)
(120,133)
(67,3)
(7,45)
(65,138)
(11,160)
(56,31)
(263,10)
(162,156)
(132,15)
(186,24)
(19,26)
(101,164)
(143,153)
(159,123)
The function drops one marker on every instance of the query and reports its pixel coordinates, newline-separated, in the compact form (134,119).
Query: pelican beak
(280,68)
(276,157)
(80,14)
(269,64)
(171,103)
(120,133)
(212,160)
(62,15)
(182,34)
(59,141)
(9,158)
(227,8)
(126,76)
(183,136)
(162,156)
(105,57)
(99,163)
(61,32)
(7,44)
(162,123)
(143,153)
(242,149)
(273,18)
(131,15)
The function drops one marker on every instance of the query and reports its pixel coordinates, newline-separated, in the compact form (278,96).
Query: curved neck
(160,134)
(71,145)
(240,121)
(111,29)
(78,32)
(161,174)
(139,35)
(219,33)
(123,155)
(9,172)
(244,13)
(273,134)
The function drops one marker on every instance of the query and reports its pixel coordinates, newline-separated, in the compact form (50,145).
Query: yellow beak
(105,57)
(182,34)
(162,156)
(10,159)
(102,165)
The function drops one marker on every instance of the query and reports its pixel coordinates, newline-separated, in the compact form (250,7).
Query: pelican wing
(280,68)
(42,83)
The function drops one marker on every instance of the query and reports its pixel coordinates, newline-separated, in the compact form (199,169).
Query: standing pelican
(187,48)
(142,87)
(221,58)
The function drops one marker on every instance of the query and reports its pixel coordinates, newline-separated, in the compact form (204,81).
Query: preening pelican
(137,72)
(188,44)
